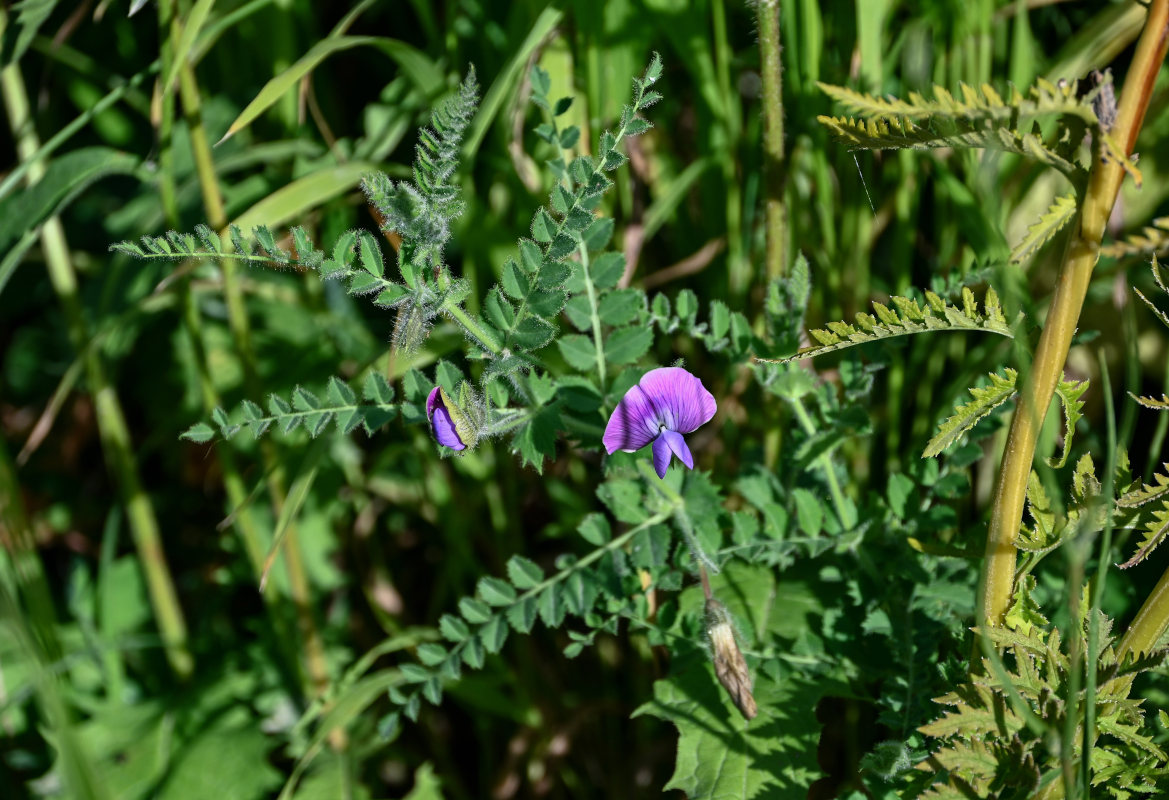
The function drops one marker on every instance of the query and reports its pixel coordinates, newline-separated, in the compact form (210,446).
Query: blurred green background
(104,361)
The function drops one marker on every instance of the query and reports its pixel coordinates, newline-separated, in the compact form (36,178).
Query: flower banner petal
(682,402)
(631,427)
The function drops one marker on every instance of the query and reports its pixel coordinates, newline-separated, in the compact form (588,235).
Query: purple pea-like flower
(441,422)
(666,403)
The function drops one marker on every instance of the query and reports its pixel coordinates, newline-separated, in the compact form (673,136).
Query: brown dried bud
(729,666)
(1104,99)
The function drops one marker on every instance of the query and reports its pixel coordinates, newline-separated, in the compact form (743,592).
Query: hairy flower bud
(454,425)
(729,666)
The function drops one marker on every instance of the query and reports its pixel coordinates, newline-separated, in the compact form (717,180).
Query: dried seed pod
(729,666)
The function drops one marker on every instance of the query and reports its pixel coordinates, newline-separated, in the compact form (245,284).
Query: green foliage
(1153,240)
(967,415)
(305,409)
(521,608)
(997,728)
(1052,222)
(906,317)
(981,118)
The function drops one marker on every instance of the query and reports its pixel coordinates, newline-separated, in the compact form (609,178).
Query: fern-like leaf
(980,118)
(906,317)
(1153,239)
(977,105)
(305,409)
(1043,535)
(1069,394)
(1051,223)
(1031,679)
(967,415)
(900,134)
(1154,532)
(1152,402)
(1148,492)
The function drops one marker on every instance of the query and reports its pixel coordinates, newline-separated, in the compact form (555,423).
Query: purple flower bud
(665,404)
(441,422)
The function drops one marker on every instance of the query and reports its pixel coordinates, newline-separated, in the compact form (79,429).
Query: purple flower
(441,422)
(665,404)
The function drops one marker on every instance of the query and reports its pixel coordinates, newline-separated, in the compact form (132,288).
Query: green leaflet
(1148,492)
(1153,533)
(967,415)
(1051,223)
(907,317)
(1069,394)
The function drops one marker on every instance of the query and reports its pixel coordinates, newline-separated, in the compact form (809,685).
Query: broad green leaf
(191,27)
(224,760)
(291,202)
(413,62)
(64,179)
(501,88)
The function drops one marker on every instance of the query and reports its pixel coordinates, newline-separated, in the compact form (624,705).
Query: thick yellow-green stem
(1079,259)
(1150,622)
(115,434)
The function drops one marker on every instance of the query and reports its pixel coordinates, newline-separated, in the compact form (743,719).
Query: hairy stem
(114,432)
(771,69)
(1079,259)
(473,329)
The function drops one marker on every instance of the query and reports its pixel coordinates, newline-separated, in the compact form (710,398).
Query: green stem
(771,70)
(115,434)
(1080,258)
(594,314)
(843,512)
(739,268)
(314,651)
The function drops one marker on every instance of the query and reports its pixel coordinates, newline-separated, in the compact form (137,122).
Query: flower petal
(683,404)
(631,427)
(433,401)
(444,429)
(678,446)
(662,455)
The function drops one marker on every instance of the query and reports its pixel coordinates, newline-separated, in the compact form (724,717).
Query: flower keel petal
(678,447)
(444,430)
(662,455)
